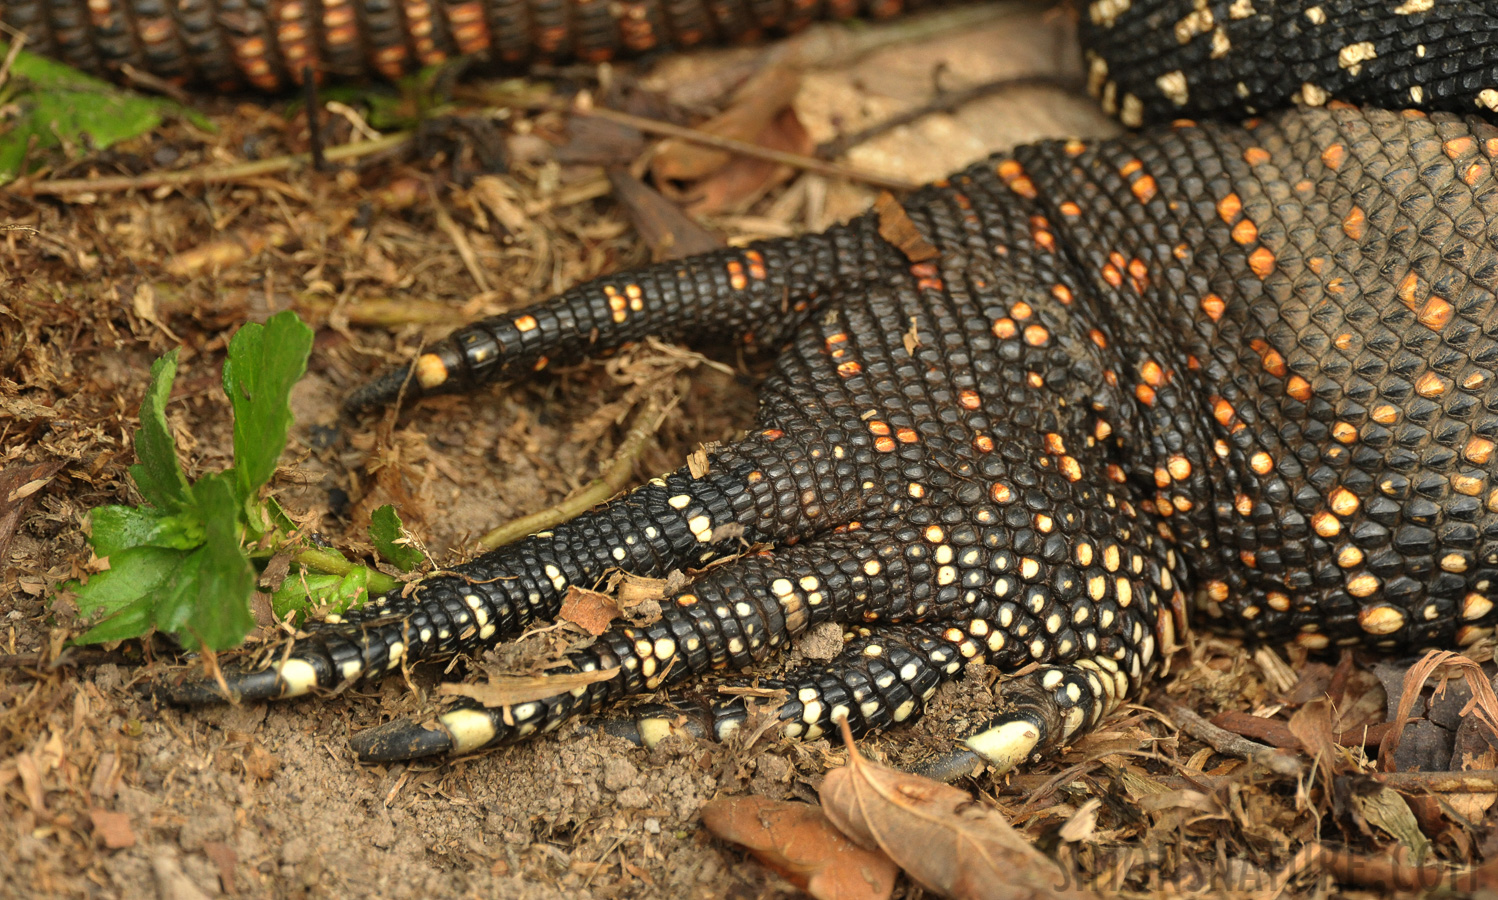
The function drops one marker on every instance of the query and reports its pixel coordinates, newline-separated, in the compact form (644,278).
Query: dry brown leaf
(670,233)
(112,828)
(743,180)
(756,104)
(1473,751)
(798,841)
(1483,705)
(895,226)
(1384,808)
(697,463)
(635,589)
(589,610)
(912,338)
(941,837)
(1312,727)
(508,690)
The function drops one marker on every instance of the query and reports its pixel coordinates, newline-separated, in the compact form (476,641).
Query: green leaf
(264,362)
(218,608)
(117,528)
(392,541)
(50,105)
(158,474)
(135,575)
(302,592)
(132,620)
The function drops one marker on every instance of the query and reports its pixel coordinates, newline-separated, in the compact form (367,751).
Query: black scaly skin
(1102,413)
(1150,60)
(269,45)
(1245,368)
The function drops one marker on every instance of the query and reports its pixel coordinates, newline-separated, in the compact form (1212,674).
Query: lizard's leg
(883,676)
(673,522)
(886,676)
(733,616)
(756,294)
(763,292)
(1095,636)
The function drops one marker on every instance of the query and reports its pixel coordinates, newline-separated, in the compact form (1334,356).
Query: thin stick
(1225,742)
(611,482)
(1471,781)
(204,174)
(331,562)
(944,102)
(744,148)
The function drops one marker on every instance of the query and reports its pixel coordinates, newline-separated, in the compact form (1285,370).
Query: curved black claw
(401,740)
(379,391)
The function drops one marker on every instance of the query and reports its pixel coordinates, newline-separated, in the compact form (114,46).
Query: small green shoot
(392,541)
(55,106)
(188,560)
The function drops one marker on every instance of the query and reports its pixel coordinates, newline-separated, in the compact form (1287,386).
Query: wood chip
(112,828)
(589,610)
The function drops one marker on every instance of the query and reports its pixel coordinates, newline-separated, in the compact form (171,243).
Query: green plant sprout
(187,561)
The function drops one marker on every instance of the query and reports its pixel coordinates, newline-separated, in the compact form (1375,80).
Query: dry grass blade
(508,690)
(939,835)
(610,482)
(798,841)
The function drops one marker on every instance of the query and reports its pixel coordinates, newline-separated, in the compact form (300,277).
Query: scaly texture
(271,44)
(1252,365)
(1149,60)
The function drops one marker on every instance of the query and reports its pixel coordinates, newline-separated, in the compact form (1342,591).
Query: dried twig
(1226,742)
(615,476)
(944,102)
(62,187)
(744,148)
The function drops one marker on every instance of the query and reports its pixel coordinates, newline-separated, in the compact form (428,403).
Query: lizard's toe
(292,678)
(403,739)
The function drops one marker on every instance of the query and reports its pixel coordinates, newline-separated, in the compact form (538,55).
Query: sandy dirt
(107,794)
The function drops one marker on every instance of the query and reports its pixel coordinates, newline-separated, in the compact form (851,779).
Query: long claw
(292,679)
(401,740)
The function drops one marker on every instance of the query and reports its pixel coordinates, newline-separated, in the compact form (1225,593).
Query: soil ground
(266,800)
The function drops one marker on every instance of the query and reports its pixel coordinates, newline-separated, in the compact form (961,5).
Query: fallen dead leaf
(743,180)
(1483,705)
(756,104)
(944,839)
(798,841)
(1384,808)
(589,610)
(670,233)
(508,690)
